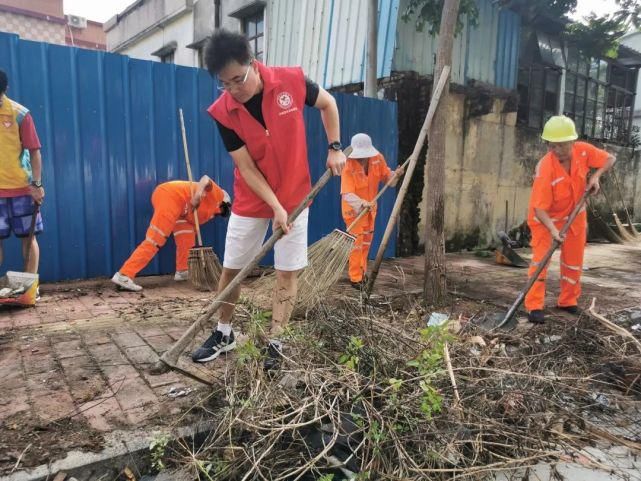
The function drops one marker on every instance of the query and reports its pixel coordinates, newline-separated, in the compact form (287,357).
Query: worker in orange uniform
(174,203)
(560,180)
(365,170)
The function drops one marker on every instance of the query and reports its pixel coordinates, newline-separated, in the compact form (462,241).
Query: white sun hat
(362,147)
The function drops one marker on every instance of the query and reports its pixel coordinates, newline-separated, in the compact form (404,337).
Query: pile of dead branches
(365,392)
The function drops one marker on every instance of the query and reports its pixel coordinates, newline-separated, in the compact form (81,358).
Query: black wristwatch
(335,146)
(37,184)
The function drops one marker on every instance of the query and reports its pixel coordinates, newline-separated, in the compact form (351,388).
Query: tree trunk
(435,287)
(371,84)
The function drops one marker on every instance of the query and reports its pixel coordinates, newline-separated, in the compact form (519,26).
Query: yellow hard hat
(559,129)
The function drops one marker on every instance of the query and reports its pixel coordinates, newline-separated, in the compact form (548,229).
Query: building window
(166,53)
(168,57)
(599,96)
(538,87)
(254,29)
(201,57)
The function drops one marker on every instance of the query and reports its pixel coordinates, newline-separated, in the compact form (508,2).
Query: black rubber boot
(536,316)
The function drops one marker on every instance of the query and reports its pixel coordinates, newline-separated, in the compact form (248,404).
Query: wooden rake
(204,265)
(172,358)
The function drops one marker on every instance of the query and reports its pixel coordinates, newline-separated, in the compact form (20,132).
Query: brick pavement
(86,349)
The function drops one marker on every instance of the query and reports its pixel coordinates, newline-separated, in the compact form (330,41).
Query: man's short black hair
(4,82)
(224,47)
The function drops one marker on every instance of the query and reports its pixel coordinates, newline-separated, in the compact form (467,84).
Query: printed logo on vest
(284,100)
(7,124)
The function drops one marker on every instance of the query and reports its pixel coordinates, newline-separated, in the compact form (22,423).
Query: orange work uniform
(557,192)
(173,214)
(362,180)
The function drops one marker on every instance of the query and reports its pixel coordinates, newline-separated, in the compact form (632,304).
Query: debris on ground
(364,390)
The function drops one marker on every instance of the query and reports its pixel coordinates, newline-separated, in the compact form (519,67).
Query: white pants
(245,236)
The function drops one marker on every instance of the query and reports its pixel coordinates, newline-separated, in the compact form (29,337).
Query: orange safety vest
(280,150)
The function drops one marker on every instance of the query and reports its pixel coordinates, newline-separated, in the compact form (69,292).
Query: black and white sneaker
(273,355)
(214,346)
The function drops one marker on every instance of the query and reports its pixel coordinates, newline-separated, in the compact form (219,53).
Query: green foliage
(429,364)
(377,437)
(326,477)
(428,13)
(158,447)
(629,13)
(212,469)
(351,358)
(597,37)
(247,352)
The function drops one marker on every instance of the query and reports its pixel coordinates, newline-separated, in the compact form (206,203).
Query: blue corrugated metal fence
(109,131)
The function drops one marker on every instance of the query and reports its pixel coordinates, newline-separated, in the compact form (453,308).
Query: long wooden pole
(171,356)
(436,95)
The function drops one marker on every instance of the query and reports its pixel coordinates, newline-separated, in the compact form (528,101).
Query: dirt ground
(79,364)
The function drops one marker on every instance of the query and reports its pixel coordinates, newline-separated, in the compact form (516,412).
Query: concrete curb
(122,448)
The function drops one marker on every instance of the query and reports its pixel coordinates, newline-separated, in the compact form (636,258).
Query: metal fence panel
(109,130)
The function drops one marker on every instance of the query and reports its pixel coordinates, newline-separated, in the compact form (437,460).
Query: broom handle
(171,356)
(189,176)
(544,262)
(380,193)
(408,176)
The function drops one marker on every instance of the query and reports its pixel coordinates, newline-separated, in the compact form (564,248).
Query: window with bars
(254,29)
(539,79)
(168,57)
(599,96)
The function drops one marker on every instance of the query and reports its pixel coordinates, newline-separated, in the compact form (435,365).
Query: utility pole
(371,84)
(435,286)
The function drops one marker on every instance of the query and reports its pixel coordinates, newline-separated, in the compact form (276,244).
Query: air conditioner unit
(77,22)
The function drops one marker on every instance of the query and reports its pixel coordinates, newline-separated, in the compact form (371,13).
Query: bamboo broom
(203,263)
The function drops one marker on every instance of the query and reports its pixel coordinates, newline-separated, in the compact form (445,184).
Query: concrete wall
(490,161)
(146,26)
(180,30)
(205,16)
(230,6)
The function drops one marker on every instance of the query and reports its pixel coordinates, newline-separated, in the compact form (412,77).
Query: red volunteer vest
(280,150)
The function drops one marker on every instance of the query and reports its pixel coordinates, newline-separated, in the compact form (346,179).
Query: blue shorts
(15,215)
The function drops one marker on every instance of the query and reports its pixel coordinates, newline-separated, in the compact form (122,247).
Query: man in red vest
(260,119)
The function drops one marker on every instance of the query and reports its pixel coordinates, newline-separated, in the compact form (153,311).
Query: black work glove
(225,209)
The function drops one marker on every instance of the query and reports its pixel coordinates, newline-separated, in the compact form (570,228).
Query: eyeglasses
(234,83)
